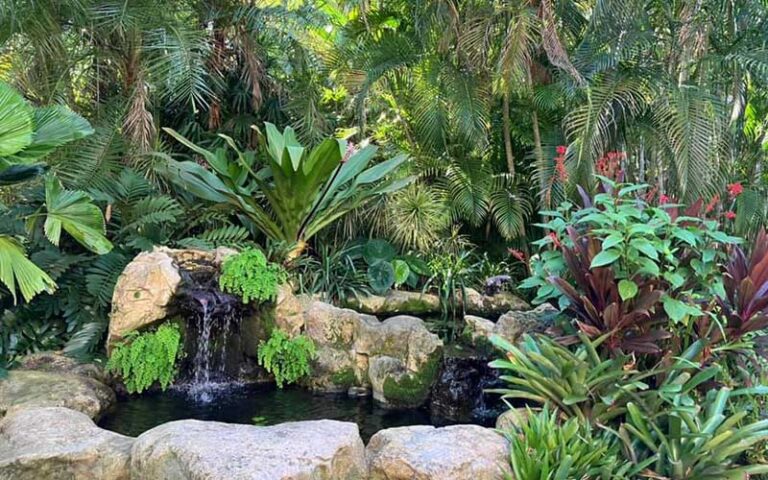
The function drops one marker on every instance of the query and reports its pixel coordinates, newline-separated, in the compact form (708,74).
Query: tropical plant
(287,358)
(249,275)
(745,303)
(579,384)
(544,448)
(690,440)
(142,359)
(450,274)
(298,192)
(335,273)
(29,135)
(630,269)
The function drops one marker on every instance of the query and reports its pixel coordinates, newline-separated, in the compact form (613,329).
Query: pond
(260,405)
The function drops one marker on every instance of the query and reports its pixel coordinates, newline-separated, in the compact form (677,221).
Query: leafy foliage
(286,358)
(145,358)
(301,190)
(249,275)
(545,448)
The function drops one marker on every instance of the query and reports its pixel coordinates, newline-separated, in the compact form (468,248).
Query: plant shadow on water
(258,405)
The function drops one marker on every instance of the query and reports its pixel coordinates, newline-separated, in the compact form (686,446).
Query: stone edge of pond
(44,443)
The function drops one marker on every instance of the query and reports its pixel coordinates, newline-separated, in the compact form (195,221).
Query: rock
(512,325)
(493,305)
(479,329)
(195,450)
(460,392)
(289,310)
(418,303)
(458,452)
(395,302)
(143,293)
(402,359)
(57,362)
(31,389)
(511,419)
(59,443)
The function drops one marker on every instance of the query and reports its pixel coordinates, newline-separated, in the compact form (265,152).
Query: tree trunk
(507,136)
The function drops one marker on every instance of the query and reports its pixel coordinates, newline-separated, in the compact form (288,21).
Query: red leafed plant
(746,287)
(630,324)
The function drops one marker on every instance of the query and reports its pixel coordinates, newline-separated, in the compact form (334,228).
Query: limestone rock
(60,444)
(395,302)
(512,325)
(493,305)
(511,419)
(143,293)
(479,329)
(32,389)
(458,452)
(403,358)
(57,362)
(195,450)
(289,310)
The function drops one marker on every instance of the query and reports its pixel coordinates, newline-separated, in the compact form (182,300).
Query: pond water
(258,405)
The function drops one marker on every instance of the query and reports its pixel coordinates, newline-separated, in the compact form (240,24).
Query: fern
(249,275)
(147,358)
(286,358)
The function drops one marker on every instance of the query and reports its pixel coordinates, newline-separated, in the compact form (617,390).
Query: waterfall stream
(213,323)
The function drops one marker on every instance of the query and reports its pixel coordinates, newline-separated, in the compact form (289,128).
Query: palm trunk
(507,136)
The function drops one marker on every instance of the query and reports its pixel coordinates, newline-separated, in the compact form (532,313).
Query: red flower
(730,215)
(663,199)
(560,149)
(735,189)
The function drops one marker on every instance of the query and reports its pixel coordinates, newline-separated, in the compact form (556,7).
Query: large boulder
(195,450)
(25,389)
(144,291)
(510,326)
(514,324)
(401,358)
(60,444)
(458,452)
(57,362)
(493,305)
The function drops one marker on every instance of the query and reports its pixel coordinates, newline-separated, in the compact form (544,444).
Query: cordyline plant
(745,303)
(629,270)
(297,192)
(622,311)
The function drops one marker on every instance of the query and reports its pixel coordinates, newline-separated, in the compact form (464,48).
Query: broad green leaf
(16,270)
(381,170)
(74,212)
(627,289)
(606,257)
(402,271)
(612,240)
(645,248)
(685,235)
(16,121)
(678,310)
(54,126)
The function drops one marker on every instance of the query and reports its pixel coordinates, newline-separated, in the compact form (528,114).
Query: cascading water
(213,340)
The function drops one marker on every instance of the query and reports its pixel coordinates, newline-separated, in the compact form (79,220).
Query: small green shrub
(286,358)
(249,275)
(544,448)
(146,358)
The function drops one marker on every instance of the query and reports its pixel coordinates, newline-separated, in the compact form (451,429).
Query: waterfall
(213,323)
